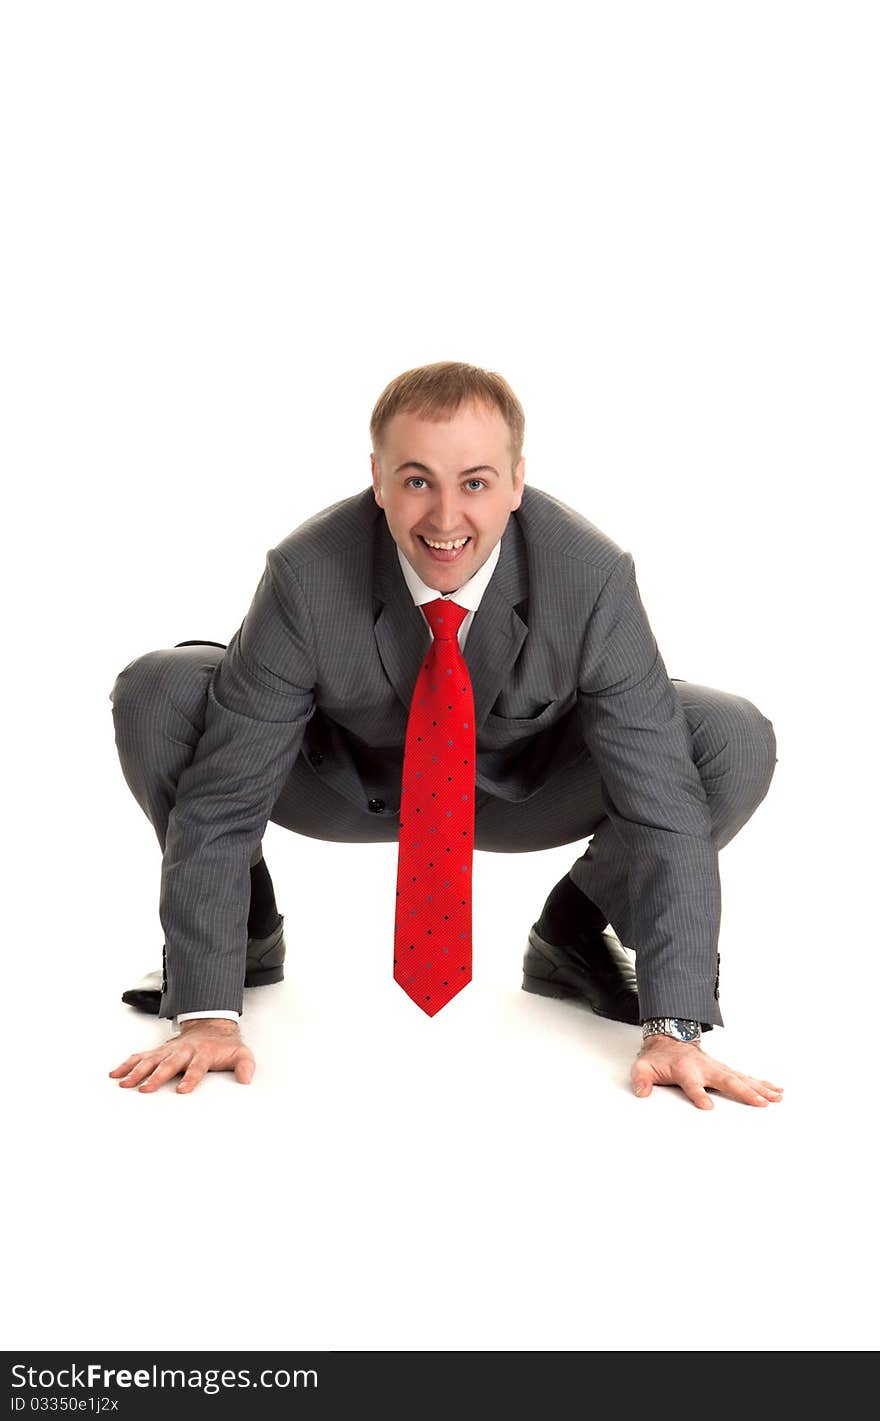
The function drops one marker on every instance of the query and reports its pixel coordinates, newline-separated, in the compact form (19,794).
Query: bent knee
(170,674)
(751,739)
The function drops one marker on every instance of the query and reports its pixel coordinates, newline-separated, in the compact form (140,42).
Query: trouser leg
(159,702)
(734,749)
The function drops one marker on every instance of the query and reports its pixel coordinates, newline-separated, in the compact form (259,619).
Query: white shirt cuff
(192,1015)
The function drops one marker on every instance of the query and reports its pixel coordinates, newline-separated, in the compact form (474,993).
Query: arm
(634,727)
(259,702)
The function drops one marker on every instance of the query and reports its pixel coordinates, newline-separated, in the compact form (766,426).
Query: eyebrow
(477,469)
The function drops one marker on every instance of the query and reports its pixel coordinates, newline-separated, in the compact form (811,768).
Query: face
(445,481)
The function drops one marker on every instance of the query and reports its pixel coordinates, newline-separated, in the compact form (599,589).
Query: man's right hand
(205,1044)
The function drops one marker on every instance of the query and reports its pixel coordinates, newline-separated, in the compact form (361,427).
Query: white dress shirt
(468,595)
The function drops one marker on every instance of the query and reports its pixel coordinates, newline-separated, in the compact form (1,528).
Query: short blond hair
(439,389)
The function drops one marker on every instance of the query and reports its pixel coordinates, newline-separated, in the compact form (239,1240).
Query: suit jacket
(561,657)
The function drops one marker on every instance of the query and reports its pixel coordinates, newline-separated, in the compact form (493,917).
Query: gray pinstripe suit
(580,731)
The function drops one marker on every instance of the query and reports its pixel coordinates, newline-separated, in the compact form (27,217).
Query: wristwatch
(679,1027)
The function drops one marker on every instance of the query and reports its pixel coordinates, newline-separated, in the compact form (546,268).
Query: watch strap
(679,1028)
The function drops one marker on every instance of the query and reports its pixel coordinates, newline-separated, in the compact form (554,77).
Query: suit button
(376,806)
(316,757)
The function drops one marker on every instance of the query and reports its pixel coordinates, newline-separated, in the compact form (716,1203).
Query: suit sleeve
(636,731)
(260,699)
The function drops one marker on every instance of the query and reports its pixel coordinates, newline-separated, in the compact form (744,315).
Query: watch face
(685,1030)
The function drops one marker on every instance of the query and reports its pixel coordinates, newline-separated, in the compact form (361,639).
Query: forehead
(467,433)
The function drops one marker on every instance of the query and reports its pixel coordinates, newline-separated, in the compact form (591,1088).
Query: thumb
(244,1070)
(642,1079)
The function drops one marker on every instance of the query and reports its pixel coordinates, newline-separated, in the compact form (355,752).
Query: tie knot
(444,617)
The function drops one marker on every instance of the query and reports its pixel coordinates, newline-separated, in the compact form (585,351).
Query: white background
(226,227)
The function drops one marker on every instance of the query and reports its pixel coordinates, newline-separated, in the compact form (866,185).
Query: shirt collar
(468,595)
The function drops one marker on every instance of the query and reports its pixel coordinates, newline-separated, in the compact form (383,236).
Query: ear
(519,478)
(377,481)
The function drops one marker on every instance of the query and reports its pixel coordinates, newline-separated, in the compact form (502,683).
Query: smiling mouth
(443,554)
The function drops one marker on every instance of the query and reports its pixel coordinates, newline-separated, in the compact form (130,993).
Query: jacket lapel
(495,637)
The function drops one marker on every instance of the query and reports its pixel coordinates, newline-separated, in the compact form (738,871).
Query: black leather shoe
(595,969)
(264,965)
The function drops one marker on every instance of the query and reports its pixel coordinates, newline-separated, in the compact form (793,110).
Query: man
(303,718)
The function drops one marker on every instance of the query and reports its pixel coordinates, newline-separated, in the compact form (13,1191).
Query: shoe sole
(550,980)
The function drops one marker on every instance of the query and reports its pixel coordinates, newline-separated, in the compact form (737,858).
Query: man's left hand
(665,1061)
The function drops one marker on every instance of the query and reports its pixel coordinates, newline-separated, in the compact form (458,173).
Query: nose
(445,513)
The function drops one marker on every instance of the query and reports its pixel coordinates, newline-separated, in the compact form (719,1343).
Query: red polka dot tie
(432,927)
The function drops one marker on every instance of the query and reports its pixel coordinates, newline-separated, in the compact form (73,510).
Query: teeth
(460,542)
